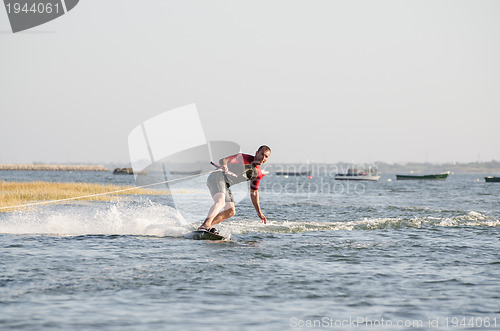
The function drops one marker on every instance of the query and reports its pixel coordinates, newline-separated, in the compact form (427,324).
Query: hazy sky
(361,81)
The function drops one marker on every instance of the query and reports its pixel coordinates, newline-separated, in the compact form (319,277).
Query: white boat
(354,174)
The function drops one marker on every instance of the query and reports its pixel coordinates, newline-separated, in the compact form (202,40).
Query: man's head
(262,155)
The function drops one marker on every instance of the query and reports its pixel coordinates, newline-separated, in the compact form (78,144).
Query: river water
(382,255)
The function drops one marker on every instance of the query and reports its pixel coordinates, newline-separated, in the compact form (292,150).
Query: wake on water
(113,219)
(471,219)
(150,219)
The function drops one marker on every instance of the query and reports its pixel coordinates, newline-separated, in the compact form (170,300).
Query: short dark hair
(267,148)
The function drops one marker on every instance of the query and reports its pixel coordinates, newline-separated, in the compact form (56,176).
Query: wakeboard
(205,235)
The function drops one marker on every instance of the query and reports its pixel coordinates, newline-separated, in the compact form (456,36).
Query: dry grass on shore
(52,167)
(20,193)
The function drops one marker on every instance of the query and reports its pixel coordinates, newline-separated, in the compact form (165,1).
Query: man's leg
(228,212)
(219,201)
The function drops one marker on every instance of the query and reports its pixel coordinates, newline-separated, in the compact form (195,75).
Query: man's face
(261,156)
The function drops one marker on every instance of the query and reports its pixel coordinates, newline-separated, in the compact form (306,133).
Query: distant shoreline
(479,168)
(486,168)
(53,167)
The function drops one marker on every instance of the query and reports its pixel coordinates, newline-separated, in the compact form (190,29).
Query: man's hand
(262,217)
(254,195)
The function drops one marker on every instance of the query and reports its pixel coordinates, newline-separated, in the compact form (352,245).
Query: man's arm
(254,195)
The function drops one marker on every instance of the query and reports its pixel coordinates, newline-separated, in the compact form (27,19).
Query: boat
(123,171)
(491,179)
(186,173)
(441,176)
(354,174)
(294,173)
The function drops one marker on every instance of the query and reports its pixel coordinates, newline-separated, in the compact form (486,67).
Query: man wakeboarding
(234,169)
